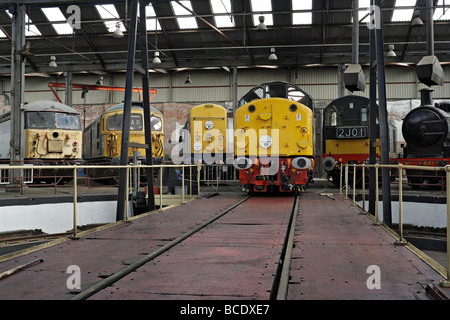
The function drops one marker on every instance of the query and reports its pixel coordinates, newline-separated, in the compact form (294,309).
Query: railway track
(240,219)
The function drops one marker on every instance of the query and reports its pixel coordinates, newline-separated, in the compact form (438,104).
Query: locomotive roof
(307,99)
(46,105)
(349,98)
(134,105)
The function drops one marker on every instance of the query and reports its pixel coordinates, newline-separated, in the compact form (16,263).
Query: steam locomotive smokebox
(354,78)
(429,71)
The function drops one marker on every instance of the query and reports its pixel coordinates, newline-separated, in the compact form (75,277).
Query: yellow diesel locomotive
(51,136)
(205,134)
(103,136)
(274,138)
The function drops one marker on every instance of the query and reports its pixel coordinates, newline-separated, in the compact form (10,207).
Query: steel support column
(384,129)
(122,194)
(17,91)
(373,112)
(146,98)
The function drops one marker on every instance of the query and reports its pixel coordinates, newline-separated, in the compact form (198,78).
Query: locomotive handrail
(400,167)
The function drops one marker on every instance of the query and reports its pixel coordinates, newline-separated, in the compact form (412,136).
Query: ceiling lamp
(188,79)
(272,55)
(261,26)
(118,33)
(391,52)
(52,62)
(156,59)
(417,22)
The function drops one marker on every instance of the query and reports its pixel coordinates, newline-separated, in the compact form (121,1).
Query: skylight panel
(152,23)
(262,6)
(302,17)
(185,22)
(30,29)
(108,11)
(440,14)
(55,15)
(222,6)
(364,6)
(2,34)
(403,14)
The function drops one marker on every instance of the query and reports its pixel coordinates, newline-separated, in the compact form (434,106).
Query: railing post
(160,188)
(377,196)
(199,168)
(190,181)
(127,192)
(363,187)
(354,183)
(340,179)
(401,240)
(446,283)
(346,181)
(75,195)
(182,184)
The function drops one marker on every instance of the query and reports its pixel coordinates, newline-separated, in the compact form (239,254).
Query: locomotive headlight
(265,141)
(197,146)
(301,163)
(209,125)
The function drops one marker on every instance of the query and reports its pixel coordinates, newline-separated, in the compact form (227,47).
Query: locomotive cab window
(67,121)
(39,120)
(332,118)
(156,123)
(276,91)
(256,93)
(114,123)
(295,95)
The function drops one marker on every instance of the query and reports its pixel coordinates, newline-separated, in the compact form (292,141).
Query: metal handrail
(400,167)
(128,167)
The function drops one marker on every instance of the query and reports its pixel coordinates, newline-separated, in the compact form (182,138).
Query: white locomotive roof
(46,105)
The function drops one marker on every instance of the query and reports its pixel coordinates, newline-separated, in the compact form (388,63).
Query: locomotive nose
(242,163)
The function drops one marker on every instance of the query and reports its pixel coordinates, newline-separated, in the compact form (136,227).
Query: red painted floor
(337,250)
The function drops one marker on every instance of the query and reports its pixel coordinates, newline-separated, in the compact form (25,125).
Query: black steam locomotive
(426,130)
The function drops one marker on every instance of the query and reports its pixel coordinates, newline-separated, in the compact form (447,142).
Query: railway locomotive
(205,134)
(103,137)
(274,138)
(426,130)
(345,135)
(51,136)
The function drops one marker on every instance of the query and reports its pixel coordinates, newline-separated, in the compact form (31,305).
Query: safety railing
(18,179)
(401,169)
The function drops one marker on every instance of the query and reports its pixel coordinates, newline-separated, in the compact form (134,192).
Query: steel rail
(140,262)
(281,283)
